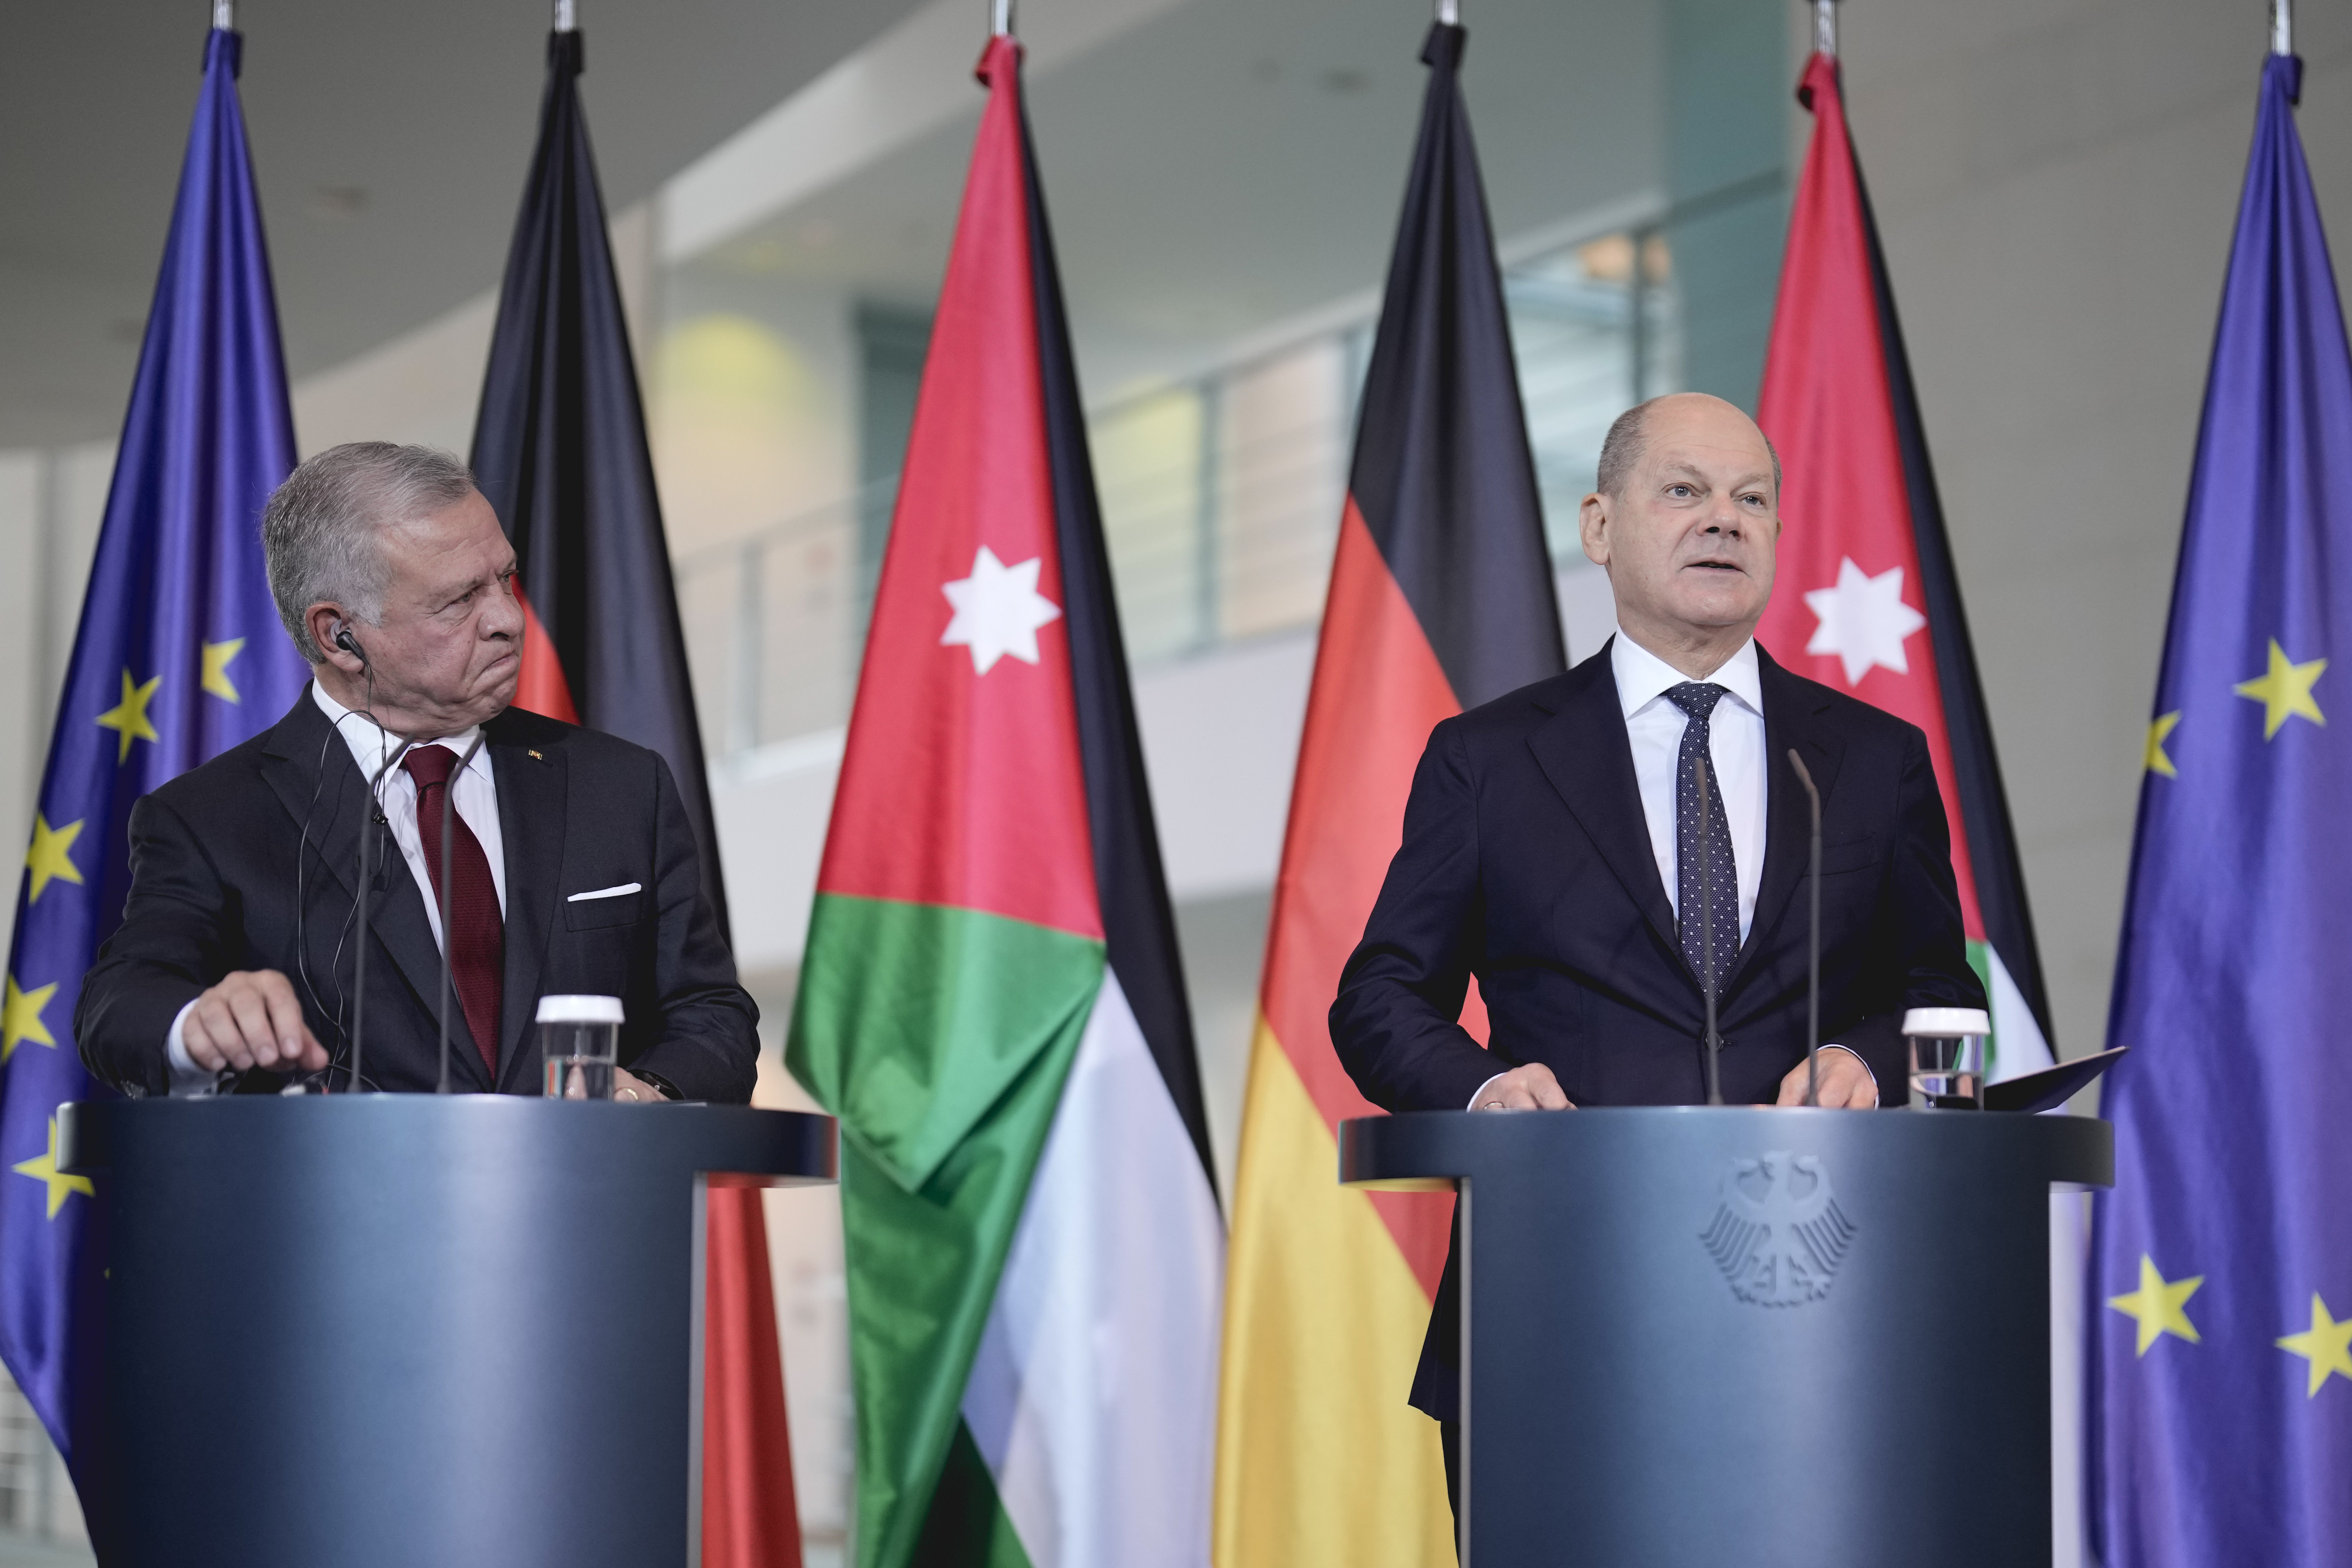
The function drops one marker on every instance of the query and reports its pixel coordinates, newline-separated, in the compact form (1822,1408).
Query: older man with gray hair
(569,861)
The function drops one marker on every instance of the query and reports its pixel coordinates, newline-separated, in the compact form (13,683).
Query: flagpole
(1449,13)
(1000,19)
(2281,27)
(223,15)
(566,19)
(1825,28)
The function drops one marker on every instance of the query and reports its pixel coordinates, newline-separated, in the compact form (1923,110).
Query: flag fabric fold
(991,999)
(2220,1377)
(1440,598)
(1867,600)
(179,656)
(559,452)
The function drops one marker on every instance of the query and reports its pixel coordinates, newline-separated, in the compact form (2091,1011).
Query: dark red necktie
(475,939)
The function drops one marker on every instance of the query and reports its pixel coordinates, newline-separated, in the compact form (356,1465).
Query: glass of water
(1947,1051)
(580,1044)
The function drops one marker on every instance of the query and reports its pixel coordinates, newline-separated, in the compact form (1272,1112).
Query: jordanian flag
(1867,601)
(990,1000)
(1440,598)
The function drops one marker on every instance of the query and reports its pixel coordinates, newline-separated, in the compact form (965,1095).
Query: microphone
(1707,943)
(1813,971)
(448,795)
(367,839)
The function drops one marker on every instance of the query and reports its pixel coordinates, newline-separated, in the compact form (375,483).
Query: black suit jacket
(1527,862)
(213,881)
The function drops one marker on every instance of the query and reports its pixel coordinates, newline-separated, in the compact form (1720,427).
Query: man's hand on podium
(629,1089)
(1846,1084)
(1529,1088)
(250,1019)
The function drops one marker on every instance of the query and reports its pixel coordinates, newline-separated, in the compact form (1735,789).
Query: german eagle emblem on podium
(1778,1234)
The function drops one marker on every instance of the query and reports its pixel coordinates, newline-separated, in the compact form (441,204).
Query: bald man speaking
(1555,848)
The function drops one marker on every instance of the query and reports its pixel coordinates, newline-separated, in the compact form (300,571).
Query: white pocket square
(607,892)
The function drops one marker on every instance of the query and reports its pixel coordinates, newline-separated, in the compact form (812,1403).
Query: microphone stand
(372,820)
(1707,941)
(449,796)
(1813,971)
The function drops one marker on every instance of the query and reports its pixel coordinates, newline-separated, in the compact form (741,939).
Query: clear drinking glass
(580,1045)
(1948,1052)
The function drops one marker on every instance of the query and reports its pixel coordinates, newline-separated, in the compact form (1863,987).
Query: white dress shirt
(474,797)
(1735,743)
(1654,726)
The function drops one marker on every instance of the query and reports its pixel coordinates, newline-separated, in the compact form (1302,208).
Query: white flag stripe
(2019,1048)
(1093,1396)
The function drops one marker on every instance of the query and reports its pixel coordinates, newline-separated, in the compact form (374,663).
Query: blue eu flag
(178,658)
(2221,1351)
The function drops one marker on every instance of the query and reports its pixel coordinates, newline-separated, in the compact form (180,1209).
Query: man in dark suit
(572,864)
(1555,848)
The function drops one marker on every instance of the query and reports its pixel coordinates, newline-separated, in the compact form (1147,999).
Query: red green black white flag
(990,1000)
(1867,601)
(1866,598)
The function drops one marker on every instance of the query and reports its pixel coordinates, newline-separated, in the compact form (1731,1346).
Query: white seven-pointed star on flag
(1863,620)
(997,611)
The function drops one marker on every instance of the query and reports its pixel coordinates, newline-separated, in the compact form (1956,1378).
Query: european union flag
(179,657)
(2221,1355)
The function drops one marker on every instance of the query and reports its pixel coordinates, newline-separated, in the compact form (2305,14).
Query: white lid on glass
(1941,1023)
(581,1010)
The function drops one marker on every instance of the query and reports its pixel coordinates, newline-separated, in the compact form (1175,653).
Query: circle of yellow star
(20,1016)
(50,859)
(2326,1345)
(216,655)
(129,717)
(2157,763)
(44,1168)
(2284,690)
(2158,1306)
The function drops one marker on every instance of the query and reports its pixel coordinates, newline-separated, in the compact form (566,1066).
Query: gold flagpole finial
(1825,28)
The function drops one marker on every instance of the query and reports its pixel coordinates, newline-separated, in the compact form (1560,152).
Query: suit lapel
(1792,712)
(1584,752)
(531,784)
(310,762)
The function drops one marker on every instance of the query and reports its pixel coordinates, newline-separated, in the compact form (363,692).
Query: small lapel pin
(537,758)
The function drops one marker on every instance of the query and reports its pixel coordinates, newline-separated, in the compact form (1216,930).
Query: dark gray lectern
(1698,1337)
(409,1329)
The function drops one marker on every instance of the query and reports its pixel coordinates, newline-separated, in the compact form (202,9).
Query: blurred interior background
(2055,179)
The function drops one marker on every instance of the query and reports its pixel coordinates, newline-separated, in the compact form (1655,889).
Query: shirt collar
(371,745)
(1642,677)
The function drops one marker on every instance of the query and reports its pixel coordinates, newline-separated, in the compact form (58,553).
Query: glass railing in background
(1221,497)
(37,1506)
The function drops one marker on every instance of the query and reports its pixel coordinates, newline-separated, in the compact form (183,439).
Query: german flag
(559,452)
(1440,598)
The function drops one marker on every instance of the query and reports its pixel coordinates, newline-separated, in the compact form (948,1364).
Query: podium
(409,1329)
(1817,1339)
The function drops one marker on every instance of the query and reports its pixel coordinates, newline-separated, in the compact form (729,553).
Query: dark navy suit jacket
(1527,863)
(212,888)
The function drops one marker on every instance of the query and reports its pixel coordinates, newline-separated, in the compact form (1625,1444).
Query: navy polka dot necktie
(1700,859)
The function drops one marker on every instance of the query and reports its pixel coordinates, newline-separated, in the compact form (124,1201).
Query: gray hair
(1621,448)
(318,530)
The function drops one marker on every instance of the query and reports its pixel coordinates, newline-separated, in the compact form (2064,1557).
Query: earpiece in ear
(349,644)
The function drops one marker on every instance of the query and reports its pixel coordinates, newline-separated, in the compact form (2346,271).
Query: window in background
(1221,493)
